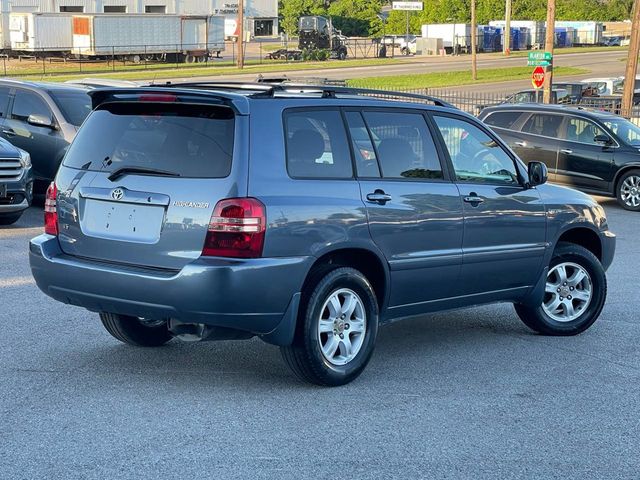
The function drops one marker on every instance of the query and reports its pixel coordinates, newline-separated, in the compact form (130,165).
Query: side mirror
(40,121)
(538,173)
(603,139)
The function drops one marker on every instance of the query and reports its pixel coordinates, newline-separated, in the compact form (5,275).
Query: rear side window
(502,119)
(186,140)
(404,145)
(543,124)
(317,145)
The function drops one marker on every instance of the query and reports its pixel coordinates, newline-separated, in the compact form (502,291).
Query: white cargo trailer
(586,33)
(148,36)
(452,35)
(40,32)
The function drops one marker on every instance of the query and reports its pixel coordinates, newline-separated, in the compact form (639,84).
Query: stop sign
(537,78)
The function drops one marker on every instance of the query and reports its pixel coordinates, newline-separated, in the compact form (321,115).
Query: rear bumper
(255,295)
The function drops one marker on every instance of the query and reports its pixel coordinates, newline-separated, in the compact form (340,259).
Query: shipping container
(148,36)
(40,32)
(535,37)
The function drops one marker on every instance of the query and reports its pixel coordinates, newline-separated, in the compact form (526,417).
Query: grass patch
(163,71)
(455,78)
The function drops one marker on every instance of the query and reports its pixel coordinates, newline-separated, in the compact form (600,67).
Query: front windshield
(625,130)
(75,105)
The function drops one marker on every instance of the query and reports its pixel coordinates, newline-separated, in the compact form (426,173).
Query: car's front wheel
(628,190)
(575,292)
(139,332)
(336,334)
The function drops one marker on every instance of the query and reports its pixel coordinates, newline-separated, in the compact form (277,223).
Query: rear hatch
(140,181)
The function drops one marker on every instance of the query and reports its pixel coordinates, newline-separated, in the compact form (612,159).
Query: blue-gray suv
(307,216)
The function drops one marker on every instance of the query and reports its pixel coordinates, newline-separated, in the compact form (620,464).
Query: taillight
(51,211)
(157,97)
(236,229)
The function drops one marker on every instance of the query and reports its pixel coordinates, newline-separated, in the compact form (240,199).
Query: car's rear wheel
(336,334)
(139,332)
(628,190)
(575,292)
(10,218)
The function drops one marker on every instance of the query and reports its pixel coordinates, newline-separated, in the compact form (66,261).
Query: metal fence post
(4,62)
(44,68)
(79,60)
(113,58)
(233,52)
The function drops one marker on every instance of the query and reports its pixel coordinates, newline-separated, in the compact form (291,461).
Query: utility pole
(632,63)
(240,34)
(550,36)
(507,29)
(474,39)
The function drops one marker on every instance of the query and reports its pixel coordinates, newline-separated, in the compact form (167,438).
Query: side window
(502,119)
(476,157)
(4,101)
(365,153)
(543,124)
(317,145)
(404,145)
(584,131)
(28,103)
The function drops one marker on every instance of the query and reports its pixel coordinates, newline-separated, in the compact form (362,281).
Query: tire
(10,218)
(133,331)
(305,357)
(572,258)
(628,190)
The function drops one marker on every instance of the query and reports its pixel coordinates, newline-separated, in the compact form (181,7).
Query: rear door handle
(9,133)
(520,144)
(566,151)
(473,199)
(378,197)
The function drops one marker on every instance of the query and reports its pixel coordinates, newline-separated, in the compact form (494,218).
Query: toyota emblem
(117,193)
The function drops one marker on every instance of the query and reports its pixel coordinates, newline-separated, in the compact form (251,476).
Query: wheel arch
(371,263)
(584,236)
(620,173)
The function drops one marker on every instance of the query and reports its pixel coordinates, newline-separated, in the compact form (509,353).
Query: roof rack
(267,90)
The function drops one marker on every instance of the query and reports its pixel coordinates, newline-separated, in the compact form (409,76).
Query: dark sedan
(590,150)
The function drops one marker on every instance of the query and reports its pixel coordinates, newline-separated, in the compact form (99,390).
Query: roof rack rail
(267,90)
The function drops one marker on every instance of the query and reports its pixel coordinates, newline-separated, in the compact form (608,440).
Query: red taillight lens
(51,210)
(236,229)
(157,97)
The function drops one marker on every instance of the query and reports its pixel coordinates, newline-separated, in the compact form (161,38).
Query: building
(261,16)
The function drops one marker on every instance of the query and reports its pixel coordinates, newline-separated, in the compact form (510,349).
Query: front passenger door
(504,222)
(41,142)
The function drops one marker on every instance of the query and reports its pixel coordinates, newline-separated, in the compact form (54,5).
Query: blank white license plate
(122,221)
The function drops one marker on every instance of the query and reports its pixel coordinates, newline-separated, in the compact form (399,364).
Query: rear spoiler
(238,103)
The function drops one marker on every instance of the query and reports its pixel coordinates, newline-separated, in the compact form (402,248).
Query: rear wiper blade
(120,172)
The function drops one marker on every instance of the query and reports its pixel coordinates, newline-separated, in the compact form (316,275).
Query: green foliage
(315,55)
(292,10)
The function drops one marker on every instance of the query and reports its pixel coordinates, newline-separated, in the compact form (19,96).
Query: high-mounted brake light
(236,229)
(157,97)
(51,210)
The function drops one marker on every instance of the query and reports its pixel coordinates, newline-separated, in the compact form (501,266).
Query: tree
(356,18)
(292,10)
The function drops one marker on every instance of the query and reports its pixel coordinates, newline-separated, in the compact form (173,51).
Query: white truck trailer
(40,33)
(586,33)
(455,37)
(536,35)
(180,38)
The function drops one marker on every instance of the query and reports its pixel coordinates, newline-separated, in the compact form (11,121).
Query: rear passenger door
(414,210)
(504,222)
(540,140)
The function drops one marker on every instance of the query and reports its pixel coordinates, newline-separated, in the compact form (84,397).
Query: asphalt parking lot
(465,394)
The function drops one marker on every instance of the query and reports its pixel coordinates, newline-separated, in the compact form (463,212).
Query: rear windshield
(188,140)
(74,105)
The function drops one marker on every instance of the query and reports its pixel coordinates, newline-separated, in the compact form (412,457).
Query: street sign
(414,6)
(538,63)
(540,56)
(537,78)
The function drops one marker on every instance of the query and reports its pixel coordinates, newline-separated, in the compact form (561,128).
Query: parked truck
(315,33)
(40,33)
(175,38)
